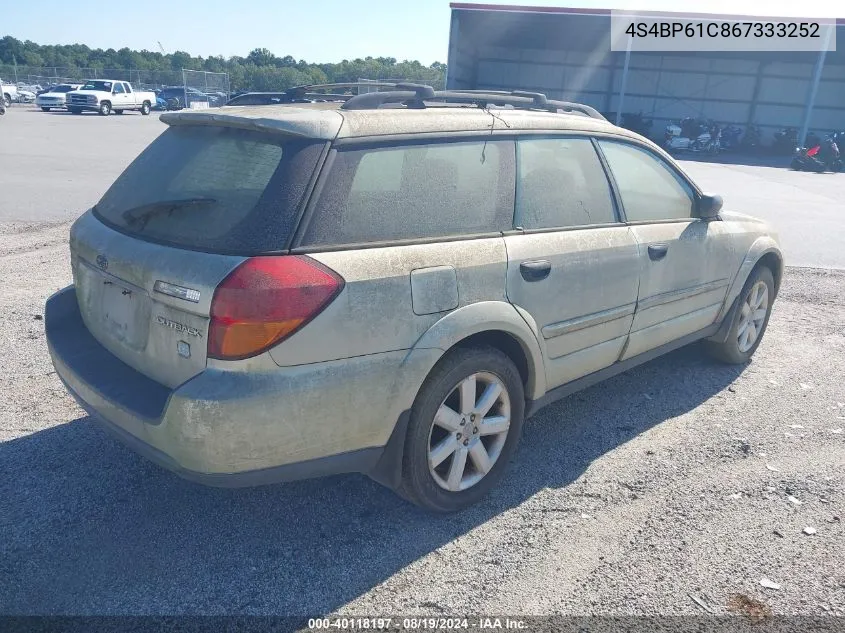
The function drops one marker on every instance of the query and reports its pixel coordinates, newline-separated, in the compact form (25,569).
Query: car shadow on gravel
(91,528)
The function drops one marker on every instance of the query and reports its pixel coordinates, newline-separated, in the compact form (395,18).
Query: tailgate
(146,303)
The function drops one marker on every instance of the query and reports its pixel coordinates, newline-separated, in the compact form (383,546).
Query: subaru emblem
(102,262)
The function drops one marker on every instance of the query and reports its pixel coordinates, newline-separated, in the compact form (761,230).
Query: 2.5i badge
(179,327)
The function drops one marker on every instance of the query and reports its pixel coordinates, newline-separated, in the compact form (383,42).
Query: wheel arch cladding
(494,323)
(506,343)
(774,262)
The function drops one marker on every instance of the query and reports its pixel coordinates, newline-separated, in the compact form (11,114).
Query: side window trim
(614,187)
(680,176)
(618,210)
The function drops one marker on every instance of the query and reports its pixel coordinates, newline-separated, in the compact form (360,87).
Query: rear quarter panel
(375,311)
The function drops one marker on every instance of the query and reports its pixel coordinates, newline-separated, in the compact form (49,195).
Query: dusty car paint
(340,388)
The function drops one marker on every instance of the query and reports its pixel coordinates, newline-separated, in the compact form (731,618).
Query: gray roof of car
(327,121)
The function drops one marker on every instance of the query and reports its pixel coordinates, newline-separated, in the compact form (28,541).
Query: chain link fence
(49,76)
(189,88)
(205,89)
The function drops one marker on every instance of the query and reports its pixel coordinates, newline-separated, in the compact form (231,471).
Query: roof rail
(342,91)
(410,94)
(518,99)
(416,96)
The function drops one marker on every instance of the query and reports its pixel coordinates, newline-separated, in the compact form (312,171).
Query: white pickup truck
(8,92)
(107,95)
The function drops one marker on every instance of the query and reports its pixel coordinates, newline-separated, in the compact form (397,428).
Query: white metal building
(566,54)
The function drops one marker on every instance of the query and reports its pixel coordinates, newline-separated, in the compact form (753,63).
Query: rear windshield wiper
(144,212)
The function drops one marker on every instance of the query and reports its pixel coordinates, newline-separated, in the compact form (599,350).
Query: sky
(313,30)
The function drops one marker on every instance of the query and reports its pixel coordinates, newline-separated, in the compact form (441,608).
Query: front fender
(487,316)
(762,246)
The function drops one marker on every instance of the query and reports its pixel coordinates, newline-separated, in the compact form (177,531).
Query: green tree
(261,69)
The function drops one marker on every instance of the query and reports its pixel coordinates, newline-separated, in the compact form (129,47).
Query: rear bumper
(233,428)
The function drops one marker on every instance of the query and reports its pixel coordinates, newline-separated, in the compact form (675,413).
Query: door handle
(657,251)
(535,270)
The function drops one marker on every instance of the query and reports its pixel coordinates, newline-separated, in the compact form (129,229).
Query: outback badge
(179,327)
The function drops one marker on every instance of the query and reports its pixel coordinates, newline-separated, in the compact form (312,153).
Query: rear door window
(213,188)
(414,191)
(561,183)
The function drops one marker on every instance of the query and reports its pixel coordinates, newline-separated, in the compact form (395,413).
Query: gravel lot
(670,481)
(680,484)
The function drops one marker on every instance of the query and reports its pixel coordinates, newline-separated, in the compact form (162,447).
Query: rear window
(414,191)
(213,188)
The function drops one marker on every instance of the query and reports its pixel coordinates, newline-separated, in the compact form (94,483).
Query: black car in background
(179,97)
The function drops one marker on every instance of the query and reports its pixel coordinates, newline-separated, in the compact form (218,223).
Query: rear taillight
(265,300)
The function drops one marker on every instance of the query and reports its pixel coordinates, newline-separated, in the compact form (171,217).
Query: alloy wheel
(469,431)
(752,316)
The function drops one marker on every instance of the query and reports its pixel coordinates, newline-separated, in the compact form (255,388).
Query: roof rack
(343,91)
(416,96)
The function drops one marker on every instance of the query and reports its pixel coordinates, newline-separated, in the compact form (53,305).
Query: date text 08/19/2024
(415,624)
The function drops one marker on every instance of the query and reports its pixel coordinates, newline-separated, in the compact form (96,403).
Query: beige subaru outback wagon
(389,283)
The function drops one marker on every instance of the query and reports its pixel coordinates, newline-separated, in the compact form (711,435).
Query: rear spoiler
(316,124)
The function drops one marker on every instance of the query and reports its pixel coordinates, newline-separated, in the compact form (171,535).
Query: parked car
(217,99)
(376,286)
(55,98)
(277,98)
(9,92)
(106,96)
(25,96)
(264,98)
(179,97)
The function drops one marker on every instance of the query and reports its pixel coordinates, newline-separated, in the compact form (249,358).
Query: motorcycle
(637,123)
(692,135)
(819,158)
(785,141)
(730,138)
(751,140)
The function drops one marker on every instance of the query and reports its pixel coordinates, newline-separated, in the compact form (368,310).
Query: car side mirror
(708,207)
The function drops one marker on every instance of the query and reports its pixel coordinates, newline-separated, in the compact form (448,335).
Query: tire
(45,109)
(145,108)
(735,350)
(428,487)
(118,111)
(105,108)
